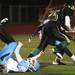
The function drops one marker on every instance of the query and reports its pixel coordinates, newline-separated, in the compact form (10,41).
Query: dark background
(24,14)
(24,11)
(30,2)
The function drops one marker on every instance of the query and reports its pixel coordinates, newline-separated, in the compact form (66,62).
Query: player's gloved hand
(4,20)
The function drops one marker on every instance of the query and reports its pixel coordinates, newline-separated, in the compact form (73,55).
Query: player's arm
(40,27)
(68,23)
(36,31)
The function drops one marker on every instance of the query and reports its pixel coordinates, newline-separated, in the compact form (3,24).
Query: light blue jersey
(7,51)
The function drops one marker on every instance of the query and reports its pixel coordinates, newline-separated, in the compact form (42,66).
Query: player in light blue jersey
(18,64)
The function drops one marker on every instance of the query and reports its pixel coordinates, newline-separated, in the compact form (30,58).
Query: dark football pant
(6,36)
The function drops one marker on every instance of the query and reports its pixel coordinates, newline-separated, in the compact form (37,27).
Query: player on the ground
(12,47)
(18,64)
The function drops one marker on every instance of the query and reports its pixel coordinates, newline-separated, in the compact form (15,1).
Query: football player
(52,35)
(18,64)
(67,12)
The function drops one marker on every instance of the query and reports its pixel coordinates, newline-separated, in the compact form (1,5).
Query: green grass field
(46,59)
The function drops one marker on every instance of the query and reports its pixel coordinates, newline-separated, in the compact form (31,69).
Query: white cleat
(55,63)
(4,20)
(58,63)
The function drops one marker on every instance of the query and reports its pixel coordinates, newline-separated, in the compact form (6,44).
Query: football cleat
(58,62)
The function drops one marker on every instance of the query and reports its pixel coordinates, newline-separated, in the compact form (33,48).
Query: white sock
(73,57)
(18,47)
(17,54)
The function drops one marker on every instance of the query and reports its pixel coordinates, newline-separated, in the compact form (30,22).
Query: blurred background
(25,13)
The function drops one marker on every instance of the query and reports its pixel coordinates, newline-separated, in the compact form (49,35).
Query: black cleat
(58,62)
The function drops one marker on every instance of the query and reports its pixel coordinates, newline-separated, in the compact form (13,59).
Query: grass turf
(46,59)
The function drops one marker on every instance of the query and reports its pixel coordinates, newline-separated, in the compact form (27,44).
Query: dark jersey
(67,10)
(53,28)
(69,2)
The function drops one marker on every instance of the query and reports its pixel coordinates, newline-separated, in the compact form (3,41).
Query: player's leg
(23,65)
(11,65)
(60,48)
(64,41)
(6,36)
(69,53)
(17,52)
(57,50)
(64,48)
(40,48)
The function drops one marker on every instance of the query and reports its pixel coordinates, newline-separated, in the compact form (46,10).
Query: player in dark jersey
(67,12)
(52,35)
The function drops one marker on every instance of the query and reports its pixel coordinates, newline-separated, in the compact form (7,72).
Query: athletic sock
(73,57)
(18,56)
(34,53)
